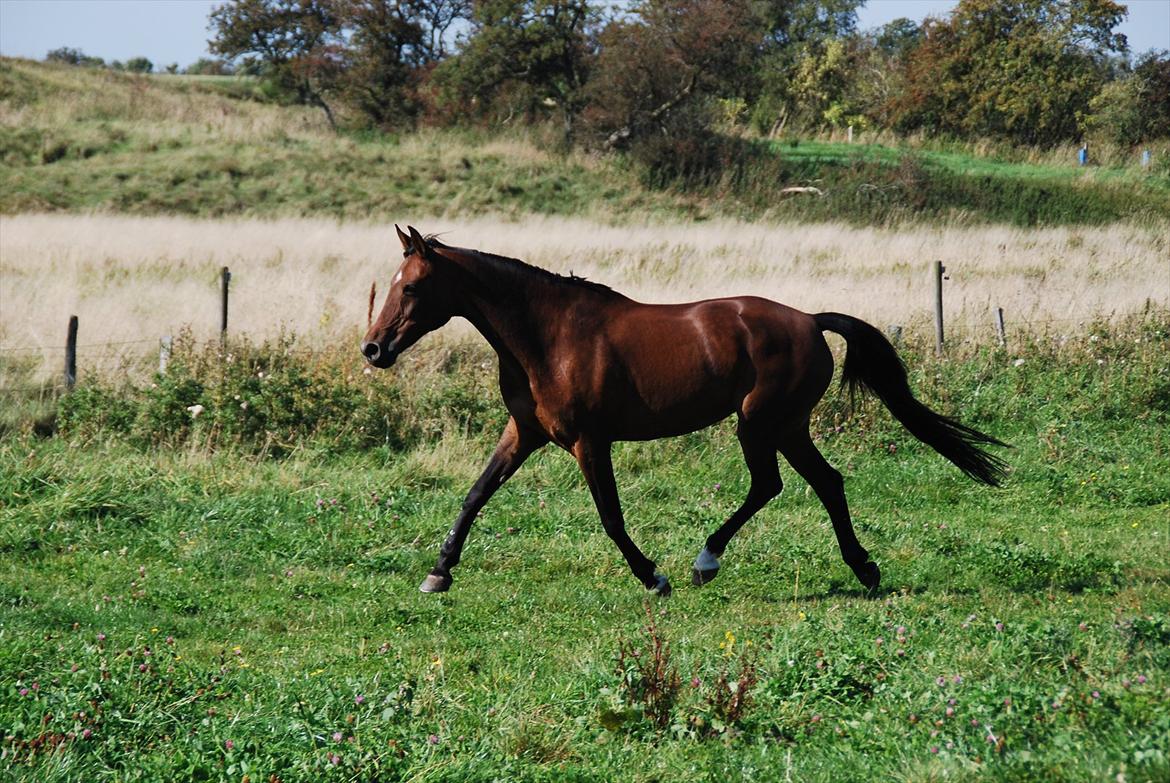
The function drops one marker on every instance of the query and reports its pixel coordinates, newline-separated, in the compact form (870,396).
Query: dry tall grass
(131,279)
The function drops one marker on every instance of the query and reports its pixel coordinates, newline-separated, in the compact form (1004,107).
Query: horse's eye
(409,289)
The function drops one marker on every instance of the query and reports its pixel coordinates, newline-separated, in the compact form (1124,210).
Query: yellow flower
(154,630)
(801,616)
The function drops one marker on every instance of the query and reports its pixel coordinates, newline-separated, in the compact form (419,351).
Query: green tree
(366,56)
(801,38)
(139,65)
(1023,70)
(530,57)
(71,56)
(660,70)
(1135,107)
(295,43)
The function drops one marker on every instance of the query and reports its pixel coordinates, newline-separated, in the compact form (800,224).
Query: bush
(139,65)
(275,397)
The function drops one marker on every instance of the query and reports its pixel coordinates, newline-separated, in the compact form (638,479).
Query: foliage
(139,65)
(368,55)
(208,66)
(800,39)
(70,56)
(1018,69)
(295,44)
(270,399)
(659,70)
(1135,107)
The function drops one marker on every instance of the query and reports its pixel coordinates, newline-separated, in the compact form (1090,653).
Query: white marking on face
(397,277)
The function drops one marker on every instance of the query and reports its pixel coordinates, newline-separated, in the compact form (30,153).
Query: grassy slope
(289,589)
(74,139)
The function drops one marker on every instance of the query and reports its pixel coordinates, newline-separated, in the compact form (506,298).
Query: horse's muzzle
(378,356)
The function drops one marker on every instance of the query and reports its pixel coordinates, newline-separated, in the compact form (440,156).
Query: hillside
(75,139)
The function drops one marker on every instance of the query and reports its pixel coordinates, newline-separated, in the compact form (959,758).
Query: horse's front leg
(596,465)
(514,447)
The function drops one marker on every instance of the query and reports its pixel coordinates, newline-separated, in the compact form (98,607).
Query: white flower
(1018,363)
(195,410)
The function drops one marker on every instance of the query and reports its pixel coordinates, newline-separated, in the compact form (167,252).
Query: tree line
(674,74)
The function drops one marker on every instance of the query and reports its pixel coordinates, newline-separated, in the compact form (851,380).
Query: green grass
(78,139)
(170,600)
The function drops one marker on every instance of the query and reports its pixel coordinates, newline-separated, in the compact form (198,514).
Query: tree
(526,56)
(298,43)
(139,65)
(659,69)
(1023,70)
(800,39)
(1135,107)
(365,55)
(206,66)
(71,56)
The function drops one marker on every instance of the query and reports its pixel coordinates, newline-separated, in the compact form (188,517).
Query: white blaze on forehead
(397,277)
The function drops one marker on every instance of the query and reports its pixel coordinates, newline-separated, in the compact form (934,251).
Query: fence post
(895,333)
(225,279)
(164,354)
(71,354)
(939,271)
(999,330)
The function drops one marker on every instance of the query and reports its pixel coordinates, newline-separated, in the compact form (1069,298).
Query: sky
(175,31)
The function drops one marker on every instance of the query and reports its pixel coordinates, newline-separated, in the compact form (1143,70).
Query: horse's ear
(403,238)
(417,242)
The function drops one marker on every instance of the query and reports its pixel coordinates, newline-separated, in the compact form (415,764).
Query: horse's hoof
(700,577)
(435,583)
(705,569)
(869,575)
(662,587)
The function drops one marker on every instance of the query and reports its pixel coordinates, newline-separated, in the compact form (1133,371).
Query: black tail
(872,364)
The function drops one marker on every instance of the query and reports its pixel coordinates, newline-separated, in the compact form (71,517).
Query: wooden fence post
(71,354)
(999,330)
(225,280)
(939,271)
(164,354)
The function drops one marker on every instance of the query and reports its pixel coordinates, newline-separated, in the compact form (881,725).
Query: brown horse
(582,366)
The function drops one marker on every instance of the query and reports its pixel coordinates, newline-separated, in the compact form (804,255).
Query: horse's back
(668,369)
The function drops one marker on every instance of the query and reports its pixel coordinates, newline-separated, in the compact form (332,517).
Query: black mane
(516,265)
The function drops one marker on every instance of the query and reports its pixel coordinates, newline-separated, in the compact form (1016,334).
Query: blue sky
(175,31)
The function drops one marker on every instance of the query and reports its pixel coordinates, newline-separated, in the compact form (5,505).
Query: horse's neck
(512,310)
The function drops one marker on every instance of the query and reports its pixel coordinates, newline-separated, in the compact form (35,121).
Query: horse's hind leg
(759,451)
(798,448)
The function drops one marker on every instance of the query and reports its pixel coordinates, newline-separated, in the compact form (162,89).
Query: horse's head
(417,303)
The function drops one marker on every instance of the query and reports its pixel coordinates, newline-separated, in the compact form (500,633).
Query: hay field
(137,278)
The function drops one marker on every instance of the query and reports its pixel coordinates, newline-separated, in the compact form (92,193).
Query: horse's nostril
(371,351)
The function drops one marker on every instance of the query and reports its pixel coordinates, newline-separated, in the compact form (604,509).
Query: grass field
(211,574)
(79,140)
(189,610)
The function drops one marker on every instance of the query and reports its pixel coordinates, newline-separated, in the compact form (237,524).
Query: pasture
(212,573)
(236,594)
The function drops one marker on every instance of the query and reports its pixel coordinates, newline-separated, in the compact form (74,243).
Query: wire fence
(37,358)
(130,351)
